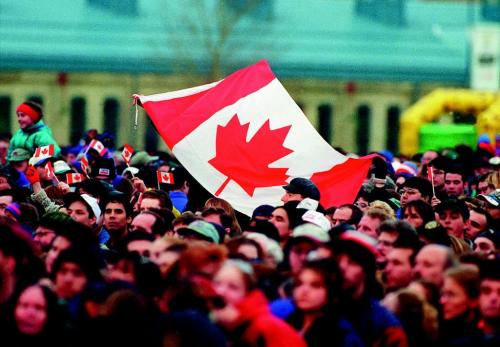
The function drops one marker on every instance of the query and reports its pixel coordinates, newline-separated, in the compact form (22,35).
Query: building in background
(352,65)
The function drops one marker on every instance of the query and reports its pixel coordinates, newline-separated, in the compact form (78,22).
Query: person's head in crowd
(37,314)
(285,218)
(19,259)
(363,200)
(155,199)
(4,147)
(103,169)
(305,239)
(487,243)
(24,213)
(489,296)
(416,188)
(454,181)
(439,166)
(479,221)
(74,234)
(61,168)
(273,253)
(356,255)
(28,114)
(264,227)
(389,232)
(6,198)
(487,183)
(184,220)
(460,293)
(432,261)
(428,156)
(453,215)
(137,241)
(218,216)
(165,252)
(142,158)
(248,249)
(371,220)
(40,166)
(143,275)
(200,258)
(404,171)
(398,272)
(199,230)
(83,208)
(150,222)
(181,179)
(117,215)
(317,288)
(347,213)
(418,213)
(50,225)
(19,159)
(234,281)
(73,269)
(215,202)
(492,205)
(93,187)
(262,212)
(300,188)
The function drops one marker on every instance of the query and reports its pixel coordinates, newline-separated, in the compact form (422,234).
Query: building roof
(314,38)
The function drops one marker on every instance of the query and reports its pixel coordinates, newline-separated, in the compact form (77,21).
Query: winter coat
(257,327)
(36,135)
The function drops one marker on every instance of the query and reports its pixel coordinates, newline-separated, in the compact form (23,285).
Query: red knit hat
(31,111)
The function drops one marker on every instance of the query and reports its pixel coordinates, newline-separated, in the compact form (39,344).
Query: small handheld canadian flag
(430,176)
(164,177)
(85,165)
(98,146)
(72,178)
(127,153)
(44,151)
(49,171)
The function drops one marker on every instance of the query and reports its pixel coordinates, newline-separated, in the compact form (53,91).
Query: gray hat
(204,229)
(142,158)
(19,154)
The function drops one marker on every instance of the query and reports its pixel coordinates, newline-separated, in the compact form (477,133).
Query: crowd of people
(122,259)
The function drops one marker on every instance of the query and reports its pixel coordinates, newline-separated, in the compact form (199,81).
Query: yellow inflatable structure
(484,105)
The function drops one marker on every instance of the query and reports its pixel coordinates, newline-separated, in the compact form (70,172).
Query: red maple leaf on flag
(247,163)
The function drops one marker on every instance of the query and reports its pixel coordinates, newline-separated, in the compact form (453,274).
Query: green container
(439,136)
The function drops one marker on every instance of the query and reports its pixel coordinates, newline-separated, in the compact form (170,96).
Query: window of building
(122,7)
(393,114)
(36,98)
(151,137)
(78,113)
(391,12)
(490,10)
(363,129)
(5,110)
(325,121)
(111,115)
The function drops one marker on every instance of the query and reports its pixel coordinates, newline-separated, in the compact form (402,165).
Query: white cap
(317,218)
(308,204)
(92,202)
(61,167)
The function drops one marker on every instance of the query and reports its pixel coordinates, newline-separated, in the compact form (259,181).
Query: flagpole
(128,165)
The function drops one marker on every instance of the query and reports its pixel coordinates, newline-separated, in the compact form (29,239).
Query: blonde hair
(382,205)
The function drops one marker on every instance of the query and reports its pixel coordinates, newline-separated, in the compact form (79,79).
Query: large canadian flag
(244,137)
